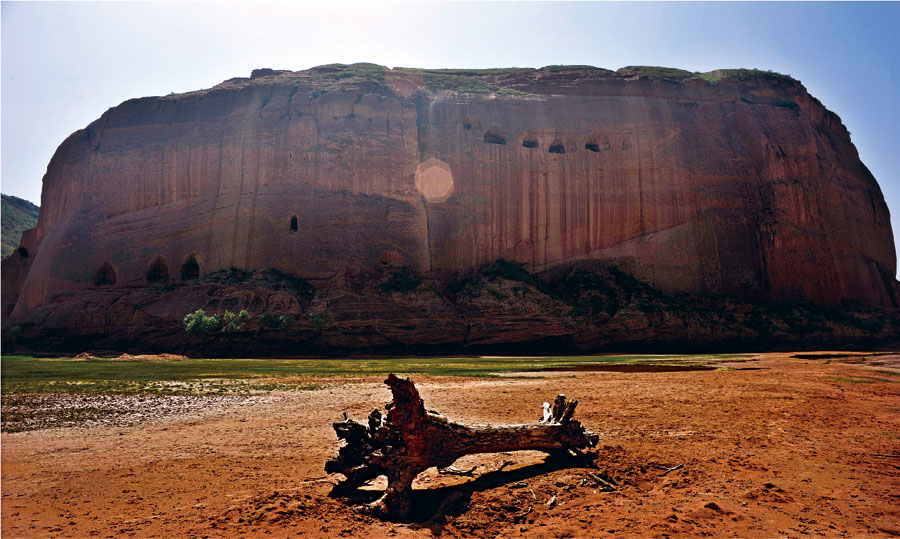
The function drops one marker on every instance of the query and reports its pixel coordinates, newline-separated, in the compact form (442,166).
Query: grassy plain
(29,374)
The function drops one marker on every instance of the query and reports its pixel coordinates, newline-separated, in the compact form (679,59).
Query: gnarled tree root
(410,440)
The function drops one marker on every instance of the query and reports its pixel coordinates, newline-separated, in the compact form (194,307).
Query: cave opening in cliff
(557,148)
(494,138)
(158,272)
(294,223)
(530,143)
(190,269)
(592,147)
(105,276)
(23,252)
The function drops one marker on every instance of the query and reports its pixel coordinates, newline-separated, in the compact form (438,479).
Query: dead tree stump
(410,440)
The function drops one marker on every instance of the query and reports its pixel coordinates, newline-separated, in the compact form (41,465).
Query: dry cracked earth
(772,446)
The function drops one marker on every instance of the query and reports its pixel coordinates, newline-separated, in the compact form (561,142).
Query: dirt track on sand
(774,446)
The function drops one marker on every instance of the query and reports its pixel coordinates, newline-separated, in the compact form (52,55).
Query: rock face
(735,183)
(18,216)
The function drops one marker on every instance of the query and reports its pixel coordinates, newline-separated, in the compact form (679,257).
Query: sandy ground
(771,447)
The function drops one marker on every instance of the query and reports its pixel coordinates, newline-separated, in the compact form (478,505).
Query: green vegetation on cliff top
(18,216)
(649,72)
(322,79)
(715,76)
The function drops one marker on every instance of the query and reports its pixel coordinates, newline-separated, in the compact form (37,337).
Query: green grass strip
(26,374)
(851,380)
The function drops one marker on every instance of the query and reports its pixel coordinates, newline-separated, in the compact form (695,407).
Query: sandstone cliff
(733,183)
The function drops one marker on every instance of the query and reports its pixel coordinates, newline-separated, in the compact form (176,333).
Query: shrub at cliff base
(232,323)
(401,280)
(275,322)
(320,321)
(198,323)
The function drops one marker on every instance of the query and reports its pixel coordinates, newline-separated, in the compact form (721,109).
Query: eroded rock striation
(733,183)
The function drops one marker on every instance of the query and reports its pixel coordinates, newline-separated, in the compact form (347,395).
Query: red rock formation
(745,187)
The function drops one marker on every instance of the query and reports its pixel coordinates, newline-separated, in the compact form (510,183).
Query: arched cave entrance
(294,223)
(105,276)
(494,138)
(190,269)
(557,148)
(530,143)
(159,271)
(592,147)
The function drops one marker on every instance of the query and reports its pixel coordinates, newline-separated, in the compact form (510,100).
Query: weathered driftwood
(410,440)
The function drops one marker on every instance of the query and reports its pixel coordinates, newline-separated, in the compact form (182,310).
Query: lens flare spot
(434,180)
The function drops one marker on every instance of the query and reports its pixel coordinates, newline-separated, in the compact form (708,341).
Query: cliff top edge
(500,81)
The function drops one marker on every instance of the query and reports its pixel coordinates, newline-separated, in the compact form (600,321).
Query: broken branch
(453,470)
(672,469)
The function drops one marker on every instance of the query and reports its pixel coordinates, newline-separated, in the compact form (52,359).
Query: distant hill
(18,216)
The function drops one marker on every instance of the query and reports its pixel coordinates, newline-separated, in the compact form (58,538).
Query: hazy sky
(64,64)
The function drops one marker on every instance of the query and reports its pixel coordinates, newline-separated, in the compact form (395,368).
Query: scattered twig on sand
(520,518)
(672,469)
(552,501)
(604,484)
(604,475)
(453,470)
(505,464)
(533,495)
(318,480)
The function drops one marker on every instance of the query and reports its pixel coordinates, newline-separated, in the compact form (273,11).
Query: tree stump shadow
(430,507)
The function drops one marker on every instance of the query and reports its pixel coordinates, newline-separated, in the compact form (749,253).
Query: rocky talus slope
(733,187)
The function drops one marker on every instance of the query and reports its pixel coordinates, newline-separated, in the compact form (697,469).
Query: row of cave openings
(158,272)
(492,137)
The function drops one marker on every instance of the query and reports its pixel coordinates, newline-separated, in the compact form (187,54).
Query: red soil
(785,448)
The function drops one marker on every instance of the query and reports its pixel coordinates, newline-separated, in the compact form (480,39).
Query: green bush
(366,71)
(631,286)
(401,280)
(199,324)
(277,280)
(232,323)
(469,286)
(588,293)
(463,81)
(232,275)
(276,322)
(472,287)
(320,321)
(507,270)
(658,73)
(13,335)
(742,74)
